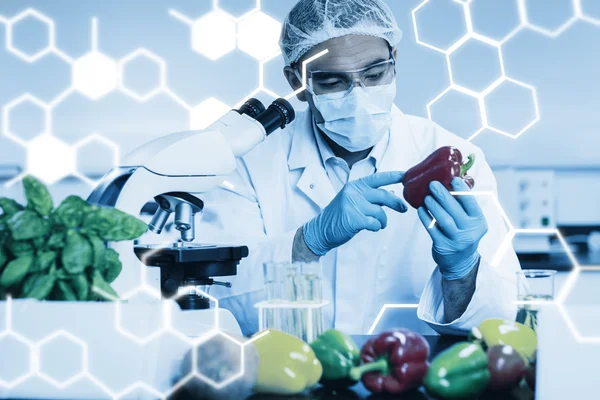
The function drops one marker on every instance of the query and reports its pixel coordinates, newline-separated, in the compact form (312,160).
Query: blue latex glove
(356,207)
(460,225)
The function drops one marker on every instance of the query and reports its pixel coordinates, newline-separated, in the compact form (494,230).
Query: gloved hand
(460,225)
(356,207)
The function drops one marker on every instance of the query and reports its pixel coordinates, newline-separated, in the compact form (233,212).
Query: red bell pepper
(442,165)
(506,367)
(395,362)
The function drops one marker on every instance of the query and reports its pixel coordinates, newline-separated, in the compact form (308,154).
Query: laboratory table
(557,261)
(437,345)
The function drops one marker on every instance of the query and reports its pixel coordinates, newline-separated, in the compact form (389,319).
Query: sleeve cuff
(493,298)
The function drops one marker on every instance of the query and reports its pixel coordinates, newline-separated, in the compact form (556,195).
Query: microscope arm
(208,152)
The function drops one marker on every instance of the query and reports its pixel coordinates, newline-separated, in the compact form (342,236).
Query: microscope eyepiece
(279,114)
(252,107)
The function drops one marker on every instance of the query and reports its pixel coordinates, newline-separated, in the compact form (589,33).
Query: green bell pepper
(460,372)
(493,332)
(338,354)
(287,365)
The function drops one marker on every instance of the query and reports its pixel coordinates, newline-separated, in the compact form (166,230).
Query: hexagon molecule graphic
(207,112)
(95,152)
(15,349)
(20,116)
(476,65)
(143,74)
(549,17)
(62,358)
(439,24)
(95,75)
(258,35)
(213,35)
(50,159)
(205,364)
(458,112)
(495,19)
(512,107)
(17,29)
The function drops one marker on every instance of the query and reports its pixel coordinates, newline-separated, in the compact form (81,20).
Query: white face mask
(359,120)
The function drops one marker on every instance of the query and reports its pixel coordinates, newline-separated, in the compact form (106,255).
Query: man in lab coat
(328,187)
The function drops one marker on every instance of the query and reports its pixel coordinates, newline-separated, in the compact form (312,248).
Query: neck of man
(350,157)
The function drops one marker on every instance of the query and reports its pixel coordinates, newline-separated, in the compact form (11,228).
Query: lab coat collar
(303,141)
(324,148)
(313,182)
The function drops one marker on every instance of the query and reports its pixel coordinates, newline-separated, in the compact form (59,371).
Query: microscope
(174,171)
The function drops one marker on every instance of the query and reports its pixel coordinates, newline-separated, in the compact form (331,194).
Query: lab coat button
(312,186)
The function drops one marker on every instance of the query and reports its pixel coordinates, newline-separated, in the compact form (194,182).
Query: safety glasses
(341,83)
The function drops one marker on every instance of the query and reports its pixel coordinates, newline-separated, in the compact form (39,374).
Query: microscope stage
(190,253)
(192,260)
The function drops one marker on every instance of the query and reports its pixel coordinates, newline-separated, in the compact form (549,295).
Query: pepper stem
(467,166)
(380,365)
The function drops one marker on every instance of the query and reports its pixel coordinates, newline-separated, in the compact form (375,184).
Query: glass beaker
(535,288)
(294,299)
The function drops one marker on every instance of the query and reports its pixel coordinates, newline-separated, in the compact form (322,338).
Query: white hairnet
(312,22)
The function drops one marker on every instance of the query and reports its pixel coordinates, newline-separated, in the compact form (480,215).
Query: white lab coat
(281,184)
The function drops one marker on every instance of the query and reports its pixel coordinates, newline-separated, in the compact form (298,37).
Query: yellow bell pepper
(287,365)
(493,332)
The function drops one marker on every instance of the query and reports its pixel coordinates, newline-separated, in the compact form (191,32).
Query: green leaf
(39,243)
(15,271)
(3,258)
(63,291)
(70,212)
(103,289)
(9,207)
(37,195)
(111,224)
(81,286)
(56,240)
(98,247)
(43,261)
(53,268)
(77,253)
(4,233)
(26,224)
(62,274)
(112,265)
(29,282)
(41,287)
(19,248)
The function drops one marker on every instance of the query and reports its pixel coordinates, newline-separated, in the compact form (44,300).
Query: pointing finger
(382,197)
(383,178)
